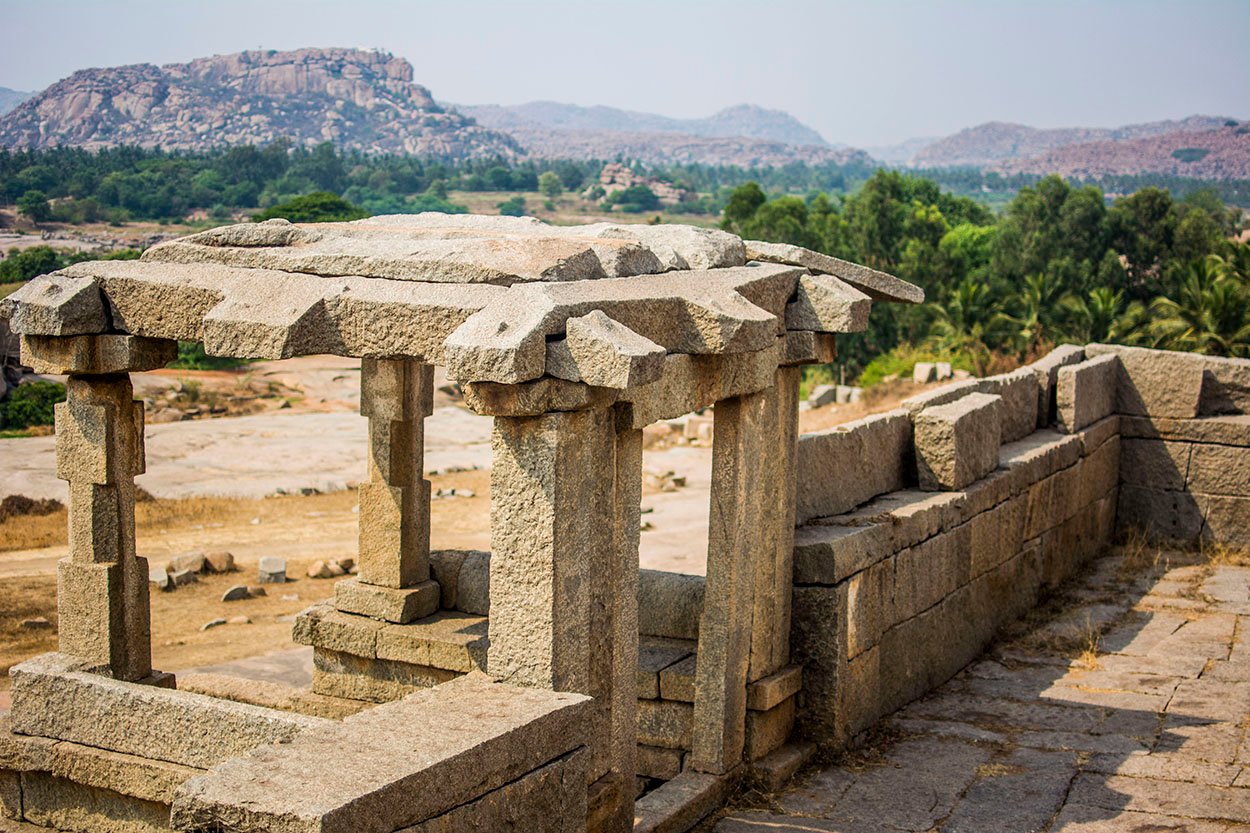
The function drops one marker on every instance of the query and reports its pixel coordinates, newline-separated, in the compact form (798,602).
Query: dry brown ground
(300,528)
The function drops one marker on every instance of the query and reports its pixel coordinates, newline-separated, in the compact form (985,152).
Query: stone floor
(1121,705)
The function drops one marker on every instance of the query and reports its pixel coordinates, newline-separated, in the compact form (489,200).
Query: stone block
(1046,369)
(1219,470)
(56,696)
(669,604)
(373,680)
(841,467)
(601,352)
(957,444)
(1161,514)
(394,532)
(272,570)
(818,645)
(995,535)
(658,762)
(96,355)
(654,655)
(927,573)
(1086,392)
(768,730)
(1038,456)
(11,794)
(822,395)
(323,626)
(1227,430)
(923,373)
(824,304)
(445,569)
(448,640)
(677,681)
(869,606)
(448,746)
(769,692)
(56,305)
(1100,472)
(103,615)
(61,804)
(829,554)
(1225,520)
(877,285)
(1157,383)
(1225,386)
(1155,464)
(1019,392)
(806,347)
(665,723)
(402,605)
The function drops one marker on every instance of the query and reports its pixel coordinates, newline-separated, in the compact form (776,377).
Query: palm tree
(1101,315)
(1210,313)
(967,322)
(1036,304)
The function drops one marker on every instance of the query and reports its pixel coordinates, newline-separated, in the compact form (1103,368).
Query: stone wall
(923,530)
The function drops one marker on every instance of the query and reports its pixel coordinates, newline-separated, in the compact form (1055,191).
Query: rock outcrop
(361,99)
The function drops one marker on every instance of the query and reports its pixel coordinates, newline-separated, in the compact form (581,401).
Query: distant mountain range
(11,98)
(367,100)
(995,142)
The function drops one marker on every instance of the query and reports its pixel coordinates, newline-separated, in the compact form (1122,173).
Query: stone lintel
(96,355)
(56,305)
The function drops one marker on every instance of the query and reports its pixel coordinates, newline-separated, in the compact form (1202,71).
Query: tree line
(1060,264)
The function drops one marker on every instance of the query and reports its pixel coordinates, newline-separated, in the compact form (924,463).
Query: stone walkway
(1122,705)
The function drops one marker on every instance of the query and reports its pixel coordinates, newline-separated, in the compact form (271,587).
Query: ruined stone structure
(528,688)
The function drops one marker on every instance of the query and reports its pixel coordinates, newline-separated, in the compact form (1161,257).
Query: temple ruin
(549,685)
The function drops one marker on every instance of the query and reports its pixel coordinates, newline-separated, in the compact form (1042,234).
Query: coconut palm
(1210,312)
(967,321)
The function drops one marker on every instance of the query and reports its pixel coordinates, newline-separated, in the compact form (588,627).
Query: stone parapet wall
(921,531)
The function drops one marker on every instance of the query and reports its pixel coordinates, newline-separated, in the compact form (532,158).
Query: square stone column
(102,587)
(565,494)
(745,623)
(393,582)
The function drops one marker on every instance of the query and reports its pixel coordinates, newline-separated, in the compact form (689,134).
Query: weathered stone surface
(600,352)
(669,604)
(677,681)
(943,395)
(665,723)
(844,466)
(805,347)
(346,676)
(62,804)
(957,444)
(474,584)
(56,696)
(768,730)
(1219,470)
(683,312)
(1168,515)
(56,305)
(96,355)
(1046,369)
(1155,464)
(1019,392)
(1156,383)
(923,373)
(876,284)
(655,655)
(272,570)
(1226,430)
(103,618)
(389,604)
(1225,386)
(545,395)
(681,803)
(824,304)
(658,762)
(870,604)
(550,798)
(1038,456)
(829,554)
(690,383)
(1086,392)
(447,746)
(769,692)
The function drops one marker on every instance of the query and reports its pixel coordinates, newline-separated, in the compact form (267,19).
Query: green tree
(317,207)
(514,207)
(549,185)
(1210,312)
(34,206)
(742,205)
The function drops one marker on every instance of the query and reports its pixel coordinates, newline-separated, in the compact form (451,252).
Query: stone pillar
(564,572)
(102,587)
(752,492)
(393,583)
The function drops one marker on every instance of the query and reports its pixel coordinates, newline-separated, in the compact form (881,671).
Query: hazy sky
(866,73)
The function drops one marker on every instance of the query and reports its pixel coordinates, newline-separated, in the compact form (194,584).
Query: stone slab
(56,305)
(877,285)
(828,554)
(55,696)
(1157,383)
(1086,392)
(399,605)
(844,466)
(96,355)
(446,746)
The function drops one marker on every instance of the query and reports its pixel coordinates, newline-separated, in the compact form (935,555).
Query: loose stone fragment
(213,623)
(236,593)
(272,570)
(219,562)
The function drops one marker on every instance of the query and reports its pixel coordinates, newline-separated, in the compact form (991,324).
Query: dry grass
(1222,555)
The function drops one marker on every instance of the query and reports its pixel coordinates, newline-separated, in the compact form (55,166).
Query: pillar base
(399,605)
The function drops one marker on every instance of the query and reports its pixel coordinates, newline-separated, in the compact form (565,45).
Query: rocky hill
(1222,153)
(354,98)
(11,98)
(743,121)
(996,142)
